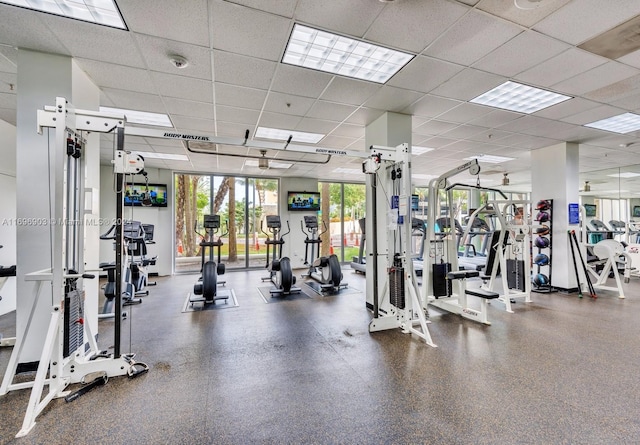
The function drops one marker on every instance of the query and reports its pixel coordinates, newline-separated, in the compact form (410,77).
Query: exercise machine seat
(481,293)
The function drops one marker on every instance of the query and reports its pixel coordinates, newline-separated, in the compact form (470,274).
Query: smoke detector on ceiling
(530,4)
(178,61)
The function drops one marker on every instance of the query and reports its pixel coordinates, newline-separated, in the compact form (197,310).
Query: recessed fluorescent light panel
(347,171)
(101,12)
(141,117)
(518,97)
(283,135)
(489,159)
(272,163)
(415,150)
(163,156)
(625,175)
(622,123)
(324,51)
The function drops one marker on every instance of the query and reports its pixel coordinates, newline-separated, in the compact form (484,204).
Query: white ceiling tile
(436,142)
(336,142)
(509,11)
(183,87)
(316,125)
(465,112)
(472,37)
(121,77)
(364,116)
(181,21)
(576,22)
(413,25)
(561,67)
(284,8)
(431,106)
(8,59)
(349,91)
(277,120)
(8,115)
(288,104)
(468,84)
(523,123)
(22,28)
(352,18)
(599,77)
(330,111)
(464,132)
(239,96)
(191,108)
(632,59)
(619,90)
(495,118)
(434,127)
(246,31)
(630,102)
(8,100)
(232,129)
(392,99)
(491,135)
(567,108)
(349,130)
(242,70)
(524,51)
(237,115)
(424,74)
(157,54)
(130,100)
(193,123)
(301,81)
(593,114)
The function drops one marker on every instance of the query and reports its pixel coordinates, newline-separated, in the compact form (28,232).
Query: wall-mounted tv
(135,194)
(303,201)
(590,210)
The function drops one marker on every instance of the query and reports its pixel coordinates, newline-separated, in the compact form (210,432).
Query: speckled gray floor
(561,370)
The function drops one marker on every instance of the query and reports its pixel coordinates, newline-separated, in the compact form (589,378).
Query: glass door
(192,202)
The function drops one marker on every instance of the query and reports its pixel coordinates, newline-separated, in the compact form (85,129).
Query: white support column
(554,175)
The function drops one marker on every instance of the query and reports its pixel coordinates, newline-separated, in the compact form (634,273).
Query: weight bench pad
(486,294)
(462,274)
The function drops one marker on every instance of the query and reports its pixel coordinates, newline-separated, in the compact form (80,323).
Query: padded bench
(481,293)
(462,274)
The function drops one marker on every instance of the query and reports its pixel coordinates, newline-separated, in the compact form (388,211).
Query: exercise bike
(206,288)
(325,270)
(280,272)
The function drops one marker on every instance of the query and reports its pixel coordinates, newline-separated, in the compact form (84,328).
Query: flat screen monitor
(135,194)
(590,210)
(303,201)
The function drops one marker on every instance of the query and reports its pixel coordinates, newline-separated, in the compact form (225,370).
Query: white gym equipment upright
(70,352)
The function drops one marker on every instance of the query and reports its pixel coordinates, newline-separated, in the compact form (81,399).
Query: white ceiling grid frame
(243,71)
(509,11)
(592,115)
(120,77)
(431,106)
(25,29)
(181,107)
(392,99)
(601,76)
(561,67)
(472,37)
(424,73)
(468,84)
(284,8)
(349,91)
(352,17)
(235,96)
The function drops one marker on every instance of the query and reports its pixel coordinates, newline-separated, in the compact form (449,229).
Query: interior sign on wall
(574,213)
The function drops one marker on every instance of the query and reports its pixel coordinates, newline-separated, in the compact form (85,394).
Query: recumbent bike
(206,288)
(325,270)
(280,272)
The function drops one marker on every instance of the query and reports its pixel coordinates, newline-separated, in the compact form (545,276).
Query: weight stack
(515,274)
(396,287)
(73,322)
(441,286)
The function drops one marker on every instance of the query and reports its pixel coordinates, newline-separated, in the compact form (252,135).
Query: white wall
(294,241)
(8,212)
(160,217)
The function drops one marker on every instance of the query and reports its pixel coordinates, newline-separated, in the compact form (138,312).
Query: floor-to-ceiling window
(242,204)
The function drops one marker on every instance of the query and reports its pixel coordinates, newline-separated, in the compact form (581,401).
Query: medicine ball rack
(543,242)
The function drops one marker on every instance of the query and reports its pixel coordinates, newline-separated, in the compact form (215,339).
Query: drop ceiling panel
(8,59)
(243,71)
(463,132)
(24,29)
(529,17)
(330,111)
(316,125)
(239,96)
(189,108)
(567,108)
(349,91)
(434,127)
(424,74)
(524,51)
(193,123)
(493,135)
(431,106)
(495,118)
(364,116)
(392,99)
(599,77)
(592,115)
(157,55)
(468,84)
(247,31)
(131,100)
(182,87)
(284,8)
(465,112)
(352,18)
(415,24)
(348,130)
(462,42)
(523,123)
(300,81)
(121,77)
(340,142)
(8,115)
(632,59)
(181,21)
(630,102)
(527,142)
(437,142)
(237,115)
(616,91)
(8,101)
(576,22)
(560,67)
(288,104)
(278,120)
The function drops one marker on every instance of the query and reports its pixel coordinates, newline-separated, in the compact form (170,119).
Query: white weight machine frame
(68,271)
(383,162)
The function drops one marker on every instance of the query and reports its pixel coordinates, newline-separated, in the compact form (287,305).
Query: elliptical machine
(325,270)
(280,272)
(207,285)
